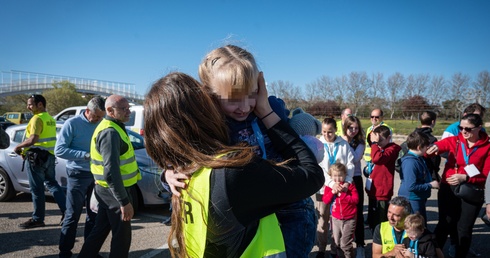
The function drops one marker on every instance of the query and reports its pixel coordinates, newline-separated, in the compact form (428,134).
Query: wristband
(267,115)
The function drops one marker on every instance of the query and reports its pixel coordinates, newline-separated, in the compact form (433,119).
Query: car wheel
(7,191)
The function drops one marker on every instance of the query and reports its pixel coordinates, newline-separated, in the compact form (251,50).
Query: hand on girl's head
(262,107)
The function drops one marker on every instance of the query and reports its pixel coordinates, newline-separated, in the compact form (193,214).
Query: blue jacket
(415,178)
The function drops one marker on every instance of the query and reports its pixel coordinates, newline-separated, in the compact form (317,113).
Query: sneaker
(31,224)
(167,221)
(360,252)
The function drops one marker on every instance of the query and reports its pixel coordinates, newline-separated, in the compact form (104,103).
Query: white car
(12,179)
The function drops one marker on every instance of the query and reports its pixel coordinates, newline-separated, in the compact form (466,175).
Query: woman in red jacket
(468,162)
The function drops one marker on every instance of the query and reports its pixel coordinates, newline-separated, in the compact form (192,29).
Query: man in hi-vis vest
(38,152)
(115,171)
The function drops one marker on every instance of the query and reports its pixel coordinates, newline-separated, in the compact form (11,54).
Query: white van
(135,123)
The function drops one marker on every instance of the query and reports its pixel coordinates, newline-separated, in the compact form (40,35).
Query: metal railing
(17,82)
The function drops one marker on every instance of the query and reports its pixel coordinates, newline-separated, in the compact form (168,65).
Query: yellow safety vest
(367,150)
(340,131)
(387,238)
(47,138)
(128,166)
(267,242)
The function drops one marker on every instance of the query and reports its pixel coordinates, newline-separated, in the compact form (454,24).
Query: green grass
(405,127)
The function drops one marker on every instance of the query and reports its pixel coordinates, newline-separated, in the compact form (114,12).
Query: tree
(482,85)
(416,85)
(437,89)
(396,83)
(414,105)
(324,109)
(63,95)
(357,86)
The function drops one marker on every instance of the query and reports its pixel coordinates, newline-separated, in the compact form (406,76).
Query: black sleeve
(262,188)
(377,235)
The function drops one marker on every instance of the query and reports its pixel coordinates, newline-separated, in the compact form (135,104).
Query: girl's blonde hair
(339,167)
(229,69)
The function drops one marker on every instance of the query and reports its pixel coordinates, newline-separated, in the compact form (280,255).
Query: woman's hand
(432,149)
(456,179)
(174,180)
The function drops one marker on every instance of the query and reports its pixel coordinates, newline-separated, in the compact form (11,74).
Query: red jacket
(480,157)
(383,172)
(345,205)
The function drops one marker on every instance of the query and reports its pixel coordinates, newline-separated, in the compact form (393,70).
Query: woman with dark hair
(354,135)
(228,206)
(467,166)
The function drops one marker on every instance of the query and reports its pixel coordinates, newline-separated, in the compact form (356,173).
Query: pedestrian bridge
(21,82)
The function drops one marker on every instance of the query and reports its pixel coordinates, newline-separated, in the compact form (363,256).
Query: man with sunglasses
(453,129)
(38,152)
(376,121)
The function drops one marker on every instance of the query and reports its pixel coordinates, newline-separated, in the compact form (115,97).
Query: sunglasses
(467,129)
(377,117)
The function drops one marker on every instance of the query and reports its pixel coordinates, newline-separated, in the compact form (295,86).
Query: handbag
(470,193)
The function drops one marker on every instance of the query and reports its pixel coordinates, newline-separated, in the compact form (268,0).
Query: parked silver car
(13,179)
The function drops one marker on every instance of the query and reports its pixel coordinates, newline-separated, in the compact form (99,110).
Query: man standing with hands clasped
(115,170)
(38,152)
(74,146)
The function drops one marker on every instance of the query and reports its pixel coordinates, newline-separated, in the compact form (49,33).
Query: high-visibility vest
(387,237)
(267,242)
(127,161)
(367,150)
(340,131)
(47,138)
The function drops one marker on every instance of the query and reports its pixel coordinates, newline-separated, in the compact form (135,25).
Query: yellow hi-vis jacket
(128,166)
(267,242)
(47,138)
(367,150)
(387,237)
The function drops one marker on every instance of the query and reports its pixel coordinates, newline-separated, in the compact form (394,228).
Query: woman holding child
(218,215)
(467,165)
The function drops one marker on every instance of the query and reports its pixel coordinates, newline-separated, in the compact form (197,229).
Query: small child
(344,210)
(379,185)
(416,178)
(420,242)
(308,127)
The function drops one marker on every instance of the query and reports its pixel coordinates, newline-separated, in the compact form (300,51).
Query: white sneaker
(360,252)
(473,252)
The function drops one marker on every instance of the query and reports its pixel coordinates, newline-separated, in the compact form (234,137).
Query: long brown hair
(185,129)
(359,137)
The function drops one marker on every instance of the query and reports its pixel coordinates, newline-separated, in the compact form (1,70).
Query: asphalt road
(148,236)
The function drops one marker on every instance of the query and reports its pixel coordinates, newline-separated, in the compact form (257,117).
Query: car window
(66,115)
(19,136)
(131,119)
(137,140)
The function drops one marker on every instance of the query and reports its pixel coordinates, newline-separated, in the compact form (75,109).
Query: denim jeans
(39,176)
(78,193)
(298,226)
(420,207)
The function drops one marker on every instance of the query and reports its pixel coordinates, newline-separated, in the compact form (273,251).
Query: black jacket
(427,245)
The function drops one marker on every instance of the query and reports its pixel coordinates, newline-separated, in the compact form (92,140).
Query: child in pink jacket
(344,210)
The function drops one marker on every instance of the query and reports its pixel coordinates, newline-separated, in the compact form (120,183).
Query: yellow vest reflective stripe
(127,161)
(367,150)
(47,138)
(387,240)
(267,242)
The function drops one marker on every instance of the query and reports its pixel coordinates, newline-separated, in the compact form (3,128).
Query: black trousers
(456,217)
(359,233)
(107,220)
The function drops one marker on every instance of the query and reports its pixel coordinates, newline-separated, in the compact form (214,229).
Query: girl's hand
(263,108)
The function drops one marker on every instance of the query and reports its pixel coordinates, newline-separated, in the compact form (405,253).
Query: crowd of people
(248,179)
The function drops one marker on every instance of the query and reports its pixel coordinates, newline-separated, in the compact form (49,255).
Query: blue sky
(296,41)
